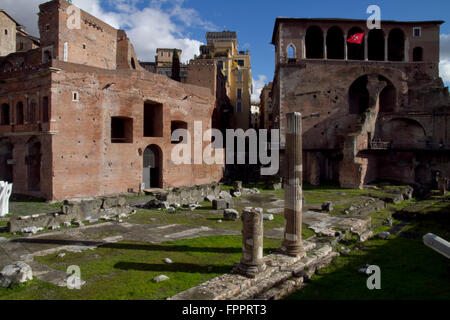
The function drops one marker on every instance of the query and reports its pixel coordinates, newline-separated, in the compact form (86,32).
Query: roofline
(283,19)
(9,16)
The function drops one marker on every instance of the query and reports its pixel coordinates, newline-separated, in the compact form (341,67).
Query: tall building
(235,66)
(266,110)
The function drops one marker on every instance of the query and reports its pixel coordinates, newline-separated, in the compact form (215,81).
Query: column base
(250,271)
(292,250)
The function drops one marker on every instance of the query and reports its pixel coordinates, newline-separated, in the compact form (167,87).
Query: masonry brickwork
(81,117)
(377,110)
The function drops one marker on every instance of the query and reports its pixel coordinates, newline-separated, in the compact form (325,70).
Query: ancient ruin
(375,110)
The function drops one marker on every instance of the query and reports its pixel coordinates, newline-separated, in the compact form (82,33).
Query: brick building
(375,110)
(266,107)
(80,117)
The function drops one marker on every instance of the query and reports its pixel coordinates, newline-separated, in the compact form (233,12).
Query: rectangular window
(239,93)
(240,62)
(417,31)
(121,130)
(153,119)
(75,96)
(238,107)
(220,64)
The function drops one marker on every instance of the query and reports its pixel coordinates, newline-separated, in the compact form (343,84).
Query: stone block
(230,215)
(219,204)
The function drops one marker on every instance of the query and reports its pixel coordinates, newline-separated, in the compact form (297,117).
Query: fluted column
(292,243)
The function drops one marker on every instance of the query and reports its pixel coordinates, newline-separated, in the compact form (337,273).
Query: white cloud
(444,65)
(258,84)
(160,24)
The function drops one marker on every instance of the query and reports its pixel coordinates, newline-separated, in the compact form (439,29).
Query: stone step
(279,268)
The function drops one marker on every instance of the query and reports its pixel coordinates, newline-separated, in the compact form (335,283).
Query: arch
(4,117)
(6,66)
(388,96)
(358,96)
(314,43)
(355,51)
(152,167)
(19,113)
(6,153)
(403,132)
(31,114)
(291,52)
(396,45)
(133,64)
(33,161)
(417,54)
(376,43)
(335,43)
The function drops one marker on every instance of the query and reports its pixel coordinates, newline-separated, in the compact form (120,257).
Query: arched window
(376,45)
(133,64)
(396,45)
(314,43)
(335,43)
(6,32)
(33,161)
(19,113)
(4,118)
(388,96)
(291,52)
(417,54)
(355,50)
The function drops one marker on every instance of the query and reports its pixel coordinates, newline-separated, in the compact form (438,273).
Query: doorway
(152,167)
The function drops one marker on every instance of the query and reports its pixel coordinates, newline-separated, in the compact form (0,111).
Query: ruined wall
(85,161)
(402,114)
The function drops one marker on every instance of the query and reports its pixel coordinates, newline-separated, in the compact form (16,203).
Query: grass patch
(409,269)
(125,270)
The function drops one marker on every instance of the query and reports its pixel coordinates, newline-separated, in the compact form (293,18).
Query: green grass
(21,205)
(409,269)
(125,270)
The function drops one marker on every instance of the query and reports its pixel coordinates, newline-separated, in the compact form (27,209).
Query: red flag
(356,38)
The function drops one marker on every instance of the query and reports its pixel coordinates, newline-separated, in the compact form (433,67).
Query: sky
(152,24)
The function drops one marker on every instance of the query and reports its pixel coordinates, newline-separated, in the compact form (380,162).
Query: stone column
(366,48)
(385,48)
(325,55)
(345,47)
(252,243)
(292,243)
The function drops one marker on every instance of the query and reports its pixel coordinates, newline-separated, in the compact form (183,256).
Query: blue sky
(183,23)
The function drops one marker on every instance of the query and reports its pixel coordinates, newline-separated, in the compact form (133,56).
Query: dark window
(175,125)
(417,32)
(6,32)
(376,45)
(153,119)
(45,110)
(21,46)
(19,113)
(32,108)
(396,45)
(418,54)
(5,115)
(133,64)
(240,62)
(220,64)
(121,130)
(335,43)
(314,43)
(239,93)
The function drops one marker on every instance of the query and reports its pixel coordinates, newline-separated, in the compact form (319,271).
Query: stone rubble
(19,272)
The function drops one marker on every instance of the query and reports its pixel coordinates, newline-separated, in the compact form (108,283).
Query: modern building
(236,67)
(79,117)
(374,110)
